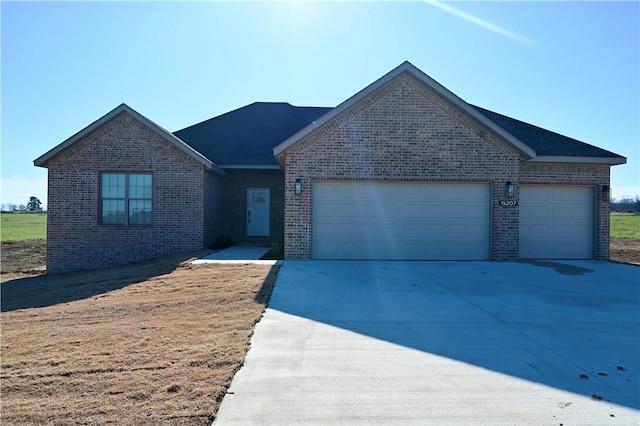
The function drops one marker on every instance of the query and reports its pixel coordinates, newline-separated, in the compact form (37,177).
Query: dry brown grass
(151,343)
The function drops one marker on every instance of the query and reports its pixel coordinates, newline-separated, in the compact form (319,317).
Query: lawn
(23,226)
(156,342)
(625,238)
(625,226)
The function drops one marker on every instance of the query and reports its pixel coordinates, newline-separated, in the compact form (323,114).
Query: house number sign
(508,203)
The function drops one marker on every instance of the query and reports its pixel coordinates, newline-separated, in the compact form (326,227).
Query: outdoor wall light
(298,186)
(606,193)
(509,188)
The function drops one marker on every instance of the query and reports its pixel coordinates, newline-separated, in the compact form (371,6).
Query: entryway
(258,209)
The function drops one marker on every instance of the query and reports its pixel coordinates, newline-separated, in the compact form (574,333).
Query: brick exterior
(404,131)
(213,211)
(181,220)
(235,202)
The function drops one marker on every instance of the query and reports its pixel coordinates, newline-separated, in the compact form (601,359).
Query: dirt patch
(625,251)
(23,257)
(151,343)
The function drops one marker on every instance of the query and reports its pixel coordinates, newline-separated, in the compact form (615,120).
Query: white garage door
(409,221)
(556,222)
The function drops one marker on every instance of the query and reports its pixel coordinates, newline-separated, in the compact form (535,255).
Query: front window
(126,198)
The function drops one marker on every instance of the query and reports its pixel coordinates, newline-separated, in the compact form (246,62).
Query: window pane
(140,186)
(113,212)
(139,212)
(113,185)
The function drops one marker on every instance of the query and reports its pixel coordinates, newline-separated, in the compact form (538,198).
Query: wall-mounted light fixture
(298,186)
(509,189)
(606,193)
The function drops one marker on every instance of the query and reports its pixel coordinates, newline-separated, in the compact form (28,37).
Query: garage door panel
(556,222)
(540,213)
(581,214)
(413,211)
(476,231)
(435,212)
(561,231)
(538,231)
(561,213)
(384,220)
(455,212)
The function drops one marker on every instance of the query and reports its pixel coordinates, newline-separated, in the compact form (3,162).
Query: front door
(258,206)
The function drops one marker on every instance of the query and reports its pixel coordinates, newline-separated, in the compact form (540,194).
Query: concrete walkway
(241,253)
(416,343)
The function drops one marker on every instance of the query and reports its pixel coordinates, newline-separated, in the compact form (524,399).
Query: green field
(23,226)
(625,226)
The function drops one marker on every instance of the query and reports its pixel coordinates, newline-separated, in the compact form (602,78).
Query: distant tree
(626,204)
(34,205)
(22,207)
(12,207)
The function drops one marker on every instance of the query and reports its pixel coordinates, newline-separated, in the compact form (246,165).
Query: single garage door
(556,222)
(400,221)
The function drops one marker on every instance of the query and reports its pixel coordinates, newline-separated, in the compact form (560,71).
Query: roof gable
(246,136)
(44,159)
(407,67)
(532,142)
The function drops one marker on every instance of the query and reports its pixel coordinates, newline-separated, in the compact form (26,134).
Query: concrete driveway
(342,342)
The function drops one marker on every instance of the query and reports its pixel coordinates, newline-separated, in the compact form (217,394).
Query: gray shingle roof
(545,142)
(246,136)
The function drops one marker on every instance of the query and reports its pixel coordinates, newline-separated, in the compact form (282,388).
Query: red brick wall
(402,132)
(406,132)
(76,239)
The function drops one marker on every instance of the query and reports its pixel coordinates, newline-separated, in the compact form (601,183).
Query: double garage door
(444,221)
(409,221)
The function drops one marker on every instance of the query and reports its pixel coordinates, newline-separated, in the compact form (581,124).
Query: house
(403,169)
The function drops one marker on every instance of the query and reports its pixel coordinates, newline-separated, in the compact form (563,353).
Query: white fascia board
(612,161)
(406,66)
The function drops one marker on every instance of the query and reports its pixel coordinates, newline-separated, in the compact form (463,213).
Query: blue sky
(571,67)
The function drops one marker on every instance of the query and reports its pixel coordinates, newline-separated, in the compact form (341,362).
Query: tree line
(34,205)
(628,204)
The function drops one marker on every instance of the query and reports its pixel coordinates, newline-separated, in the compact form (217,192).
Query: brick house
(404,169)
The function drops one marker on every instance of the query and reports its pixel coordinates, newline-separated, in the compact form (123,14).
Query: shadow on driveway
(573,326)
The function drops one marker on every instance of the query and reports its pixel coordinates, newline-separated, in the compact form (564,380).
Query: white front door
(258,207)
